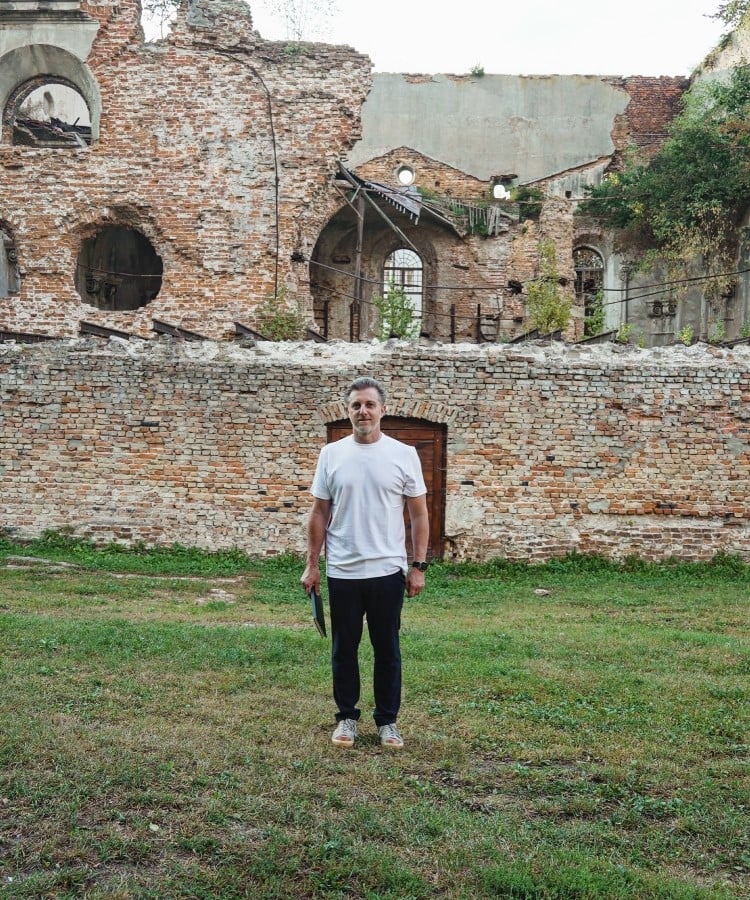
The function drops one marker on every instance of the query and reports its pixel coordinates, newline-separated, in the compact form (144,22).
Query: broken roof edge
(406,200)
(587,165)
(401,196)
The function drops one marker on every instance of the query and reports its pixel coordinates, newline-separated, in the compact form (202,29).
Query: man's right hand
(311,579)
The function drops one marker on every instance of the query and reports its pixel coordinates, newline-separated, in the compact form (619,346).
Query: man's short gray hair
(364,382)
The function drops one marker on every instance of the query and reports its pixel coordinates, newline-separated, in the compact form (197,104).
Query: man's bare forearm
(420,527)
(316,535)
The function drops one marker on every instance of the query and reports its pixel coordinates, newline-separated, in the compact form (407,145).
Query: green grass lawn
(577,730)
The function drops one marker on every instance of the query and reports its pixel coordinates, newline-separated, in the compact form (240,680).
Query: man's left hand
(414,582)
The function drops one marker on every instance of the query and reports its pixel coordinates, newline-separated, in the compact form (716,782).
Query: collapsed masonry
(207,168)
(188,181)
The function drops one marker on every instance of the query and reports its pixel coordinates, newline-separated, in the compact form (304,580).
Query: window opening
(52,115)
(118,269)
(405,175)
(403,271)
(589,284)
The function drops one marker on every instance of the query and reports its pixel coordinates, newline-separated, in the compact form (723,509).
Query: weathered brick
(628,453)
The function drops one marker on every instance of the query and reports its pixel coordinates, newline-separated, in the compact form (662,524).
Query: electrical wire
(662,288)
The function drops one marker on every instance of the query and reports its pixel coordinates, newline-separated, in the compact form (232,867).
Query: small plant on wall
(280,318)
(593,322)
(530,201)
(396,317)
(548,310)
(624,332)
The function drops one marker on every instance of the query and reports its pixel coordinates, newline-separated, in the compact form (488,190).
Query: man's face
(365,411)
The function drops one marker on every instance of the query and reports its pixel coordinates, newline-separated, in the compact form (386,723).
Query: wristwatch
(422,566)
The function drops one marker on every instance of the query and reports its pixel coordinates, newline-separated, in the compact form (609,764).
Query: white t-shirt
(367,484)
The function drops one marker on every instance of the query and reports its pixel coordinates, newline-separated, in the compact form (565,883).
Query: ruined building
(201,185)
(201,181)
(201,173)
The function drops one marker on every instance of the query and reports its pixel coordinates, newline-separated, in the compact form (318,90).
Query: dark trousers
(380,601)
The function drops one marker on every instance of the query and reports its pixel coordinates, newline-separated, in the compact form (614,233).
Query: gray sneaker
(345,733)
(389,736)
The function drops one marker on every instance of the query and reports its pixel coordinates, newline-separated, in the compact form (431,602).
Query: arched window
(48,98)
(403,271)
(52,115)
(589,284)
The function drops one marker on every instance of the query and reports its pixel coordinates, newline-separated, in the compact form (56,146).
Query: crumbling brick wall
(550,449)
(217,146)
(431,175)
(654,103)
(220,148)
(470,280)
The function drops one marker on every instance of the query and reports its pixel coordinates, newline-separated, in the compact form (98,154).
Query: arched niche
(333,266)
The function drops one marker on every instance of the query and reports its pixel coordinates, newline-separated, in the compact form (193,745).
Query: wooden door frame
(399,426)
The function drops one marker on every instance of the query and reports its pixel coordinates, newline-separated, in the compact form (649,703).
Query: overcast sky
(539,37)
(531,37)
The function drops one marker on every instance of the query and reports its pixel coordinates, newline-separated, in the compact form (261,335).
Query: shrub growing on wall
(281,319)
(530,201)
(548,309)
(396,317)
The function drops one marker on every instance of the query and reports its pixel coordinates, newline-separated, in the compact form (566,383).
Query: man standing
(359,489)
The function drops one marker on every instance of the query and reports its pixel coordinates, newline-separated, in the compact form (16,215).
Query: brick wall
(549,449)
(654,102)
(194,133)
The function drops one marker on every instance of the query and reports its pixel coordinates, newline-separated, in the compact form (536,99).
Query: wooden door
(429,440)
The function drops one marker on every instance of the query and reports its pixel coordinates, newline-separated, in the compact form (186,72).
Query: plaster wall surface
(532,126)
(550,448)
(74,36)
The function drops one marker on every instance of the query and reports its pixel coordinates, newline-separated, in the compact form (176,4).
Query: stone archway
(343,304)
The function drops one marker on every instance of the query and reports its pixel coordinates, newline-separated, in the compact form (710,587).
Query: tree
(303,19)
(731,12)
(548,310)
(159,13)
(688,202)
(396,318)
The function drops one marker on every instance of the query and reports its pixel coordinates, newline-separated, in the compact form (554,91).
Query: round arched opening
(405,175)
(51,114)
(118,269)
